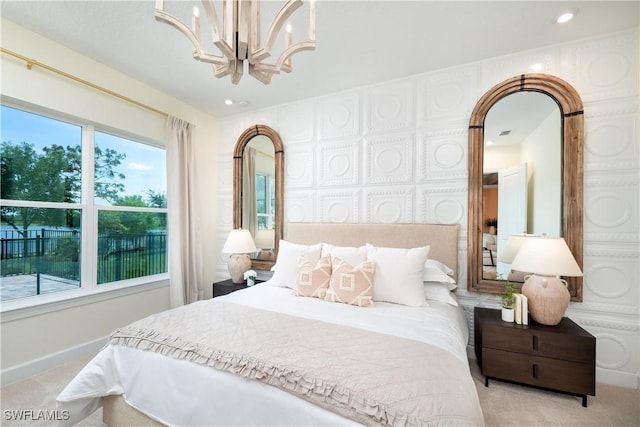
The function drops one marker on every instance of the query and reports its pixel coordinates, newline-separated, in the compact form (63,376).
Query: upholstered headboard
(442,238)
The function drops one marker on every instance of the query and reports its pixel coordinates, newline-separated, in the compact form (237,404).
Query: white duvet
(177,392)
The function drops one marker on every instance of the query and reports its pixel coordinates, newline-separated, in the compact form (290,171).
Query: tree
(55,175)
(126,221)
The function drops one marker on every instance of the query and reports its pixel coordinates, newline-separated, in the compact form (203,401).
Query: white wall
(397,152)
(44,335)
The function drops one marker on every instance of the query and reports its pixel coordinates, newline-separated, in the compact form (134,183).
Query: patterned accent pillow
(351,285)
(312,280)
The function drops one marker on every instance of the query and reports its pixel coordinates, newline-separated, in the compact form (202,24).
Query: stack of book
(521,310)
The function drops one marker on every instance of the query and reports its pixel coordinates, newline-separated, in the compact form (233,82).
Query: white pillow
(437,291)
(284,271)
(435,271)
(353,256)
(399,274)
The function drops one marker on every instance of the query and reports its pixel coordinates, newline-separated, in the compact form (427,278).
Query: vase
(507,314)
(251,281)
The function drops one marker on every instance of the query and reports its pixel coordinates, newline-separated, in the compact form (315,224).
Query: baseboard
(621,379)
(45,363)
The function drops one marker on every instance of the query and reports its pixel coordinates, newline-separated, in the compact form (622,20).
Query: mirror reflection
(259,195)
(522,178)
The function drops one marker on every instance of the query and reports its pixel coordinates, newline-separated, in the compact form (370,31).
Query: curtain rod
(31,62)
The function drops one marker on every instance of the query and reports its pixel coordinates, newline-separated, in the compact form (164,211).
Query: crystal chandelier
(238,38)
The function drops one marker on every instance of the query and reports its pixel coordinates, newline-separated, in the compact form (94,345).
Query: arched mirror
(525,175)
(258,189)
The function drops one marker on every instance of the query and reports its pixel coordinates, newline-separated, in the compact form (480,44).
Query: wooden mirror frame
(572,119)
(244,139)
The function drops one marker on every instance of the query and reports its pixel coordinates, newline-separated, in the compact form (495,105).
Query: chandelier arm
(212,19)
(298,47)
(262,76)
(276,25)
(198,53)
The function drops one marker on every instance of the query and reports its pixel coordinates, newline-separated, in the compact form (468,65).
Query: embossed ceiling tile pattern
(610,208)
(442,205)
(389,159)
(447,95)
(339,116)
(610,137)
(611,278)
(389,205)
(502,68)
(338,163)
(296,122)
(338,206)
(299,166)
(443,155)
(299,206)
(607,67)
(389,107)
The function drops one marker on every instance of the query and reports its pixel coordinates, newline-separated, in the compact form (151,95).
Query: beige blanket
(368,377)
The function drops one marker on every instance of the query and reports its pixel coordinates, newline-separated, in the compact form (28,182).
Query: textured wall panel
(443,155)
(389,159)
(299,166)
(299,206)
(447,95)
(296,122)
(389,107)
(607,67)
(389,205)
(339,164)
(339,116)
(442,205)
(338,206)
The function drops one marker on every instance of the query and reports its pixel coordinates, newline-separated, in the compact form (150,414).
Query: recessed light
(228,101)
(566,16)
(536,67)
(243,103)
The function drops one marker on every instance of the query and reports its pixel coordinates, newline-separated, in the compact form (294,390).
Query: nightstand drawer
(539,343)
(539,371)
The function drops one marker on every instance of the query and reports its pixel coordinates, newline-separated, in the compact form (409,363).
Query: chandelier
(238,37)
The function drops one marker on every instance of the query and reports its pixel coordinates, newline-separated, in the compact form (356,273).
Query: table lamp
(547,258)
(508,254)
(239,244)
(265,240)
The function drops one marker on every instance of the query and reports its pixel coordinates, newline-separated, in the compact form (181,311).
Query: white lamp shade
(265,238)
(511,249)
(239,242)
(546,256)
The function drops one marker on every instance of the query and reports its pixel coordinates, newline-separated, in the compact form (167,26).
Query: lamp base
(548,298)
(238,264)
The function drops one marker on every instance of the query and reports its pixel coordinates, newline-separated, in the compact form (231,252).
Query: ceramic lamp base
(238,264)
(548,298)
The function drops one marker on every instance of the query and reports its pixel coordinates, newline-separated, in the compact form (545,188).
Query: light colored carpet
(503,404)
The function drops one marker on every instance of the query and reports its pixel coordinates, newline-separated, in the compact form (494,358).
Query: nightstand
(227,286)
(559,358)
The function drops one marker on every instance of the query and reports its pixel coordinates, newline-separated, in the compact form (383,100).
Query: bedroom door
(512,208)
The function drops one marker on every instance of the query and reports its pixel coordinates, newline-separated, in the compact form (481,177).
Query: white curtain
(185,250)
(249,209)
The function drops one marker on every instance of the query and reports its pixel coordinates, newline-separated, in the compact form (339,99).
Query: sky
(143,167)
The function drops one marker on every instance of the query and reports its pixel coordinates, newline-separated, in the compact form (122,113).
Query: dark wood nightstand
(227,286)
(559,358)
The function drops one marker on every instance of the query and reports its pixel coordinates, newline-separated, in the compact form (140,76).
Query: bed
(267,356)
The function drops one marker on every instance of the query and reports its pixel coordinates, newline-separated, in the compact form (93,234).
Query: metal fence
(57,253)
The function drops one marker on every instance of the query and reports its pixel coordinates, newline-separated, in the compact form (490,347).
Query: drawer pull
(535,342)
(535,370)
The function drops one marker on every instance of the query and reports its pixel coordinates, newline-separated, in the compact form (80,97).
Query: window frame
(89,291)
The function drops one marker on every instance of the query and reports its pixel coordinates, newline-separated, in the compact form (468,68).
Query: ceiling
(358,42)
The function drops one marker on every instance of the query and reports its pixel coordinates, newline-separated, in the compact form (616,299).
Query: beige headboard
(443,239)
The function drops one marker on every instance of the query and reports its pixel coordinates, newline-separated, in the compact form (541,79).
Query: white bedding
(176,392)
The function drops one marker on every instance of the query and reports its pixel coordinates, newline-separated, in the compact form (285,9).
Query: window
(265,200)
(80,208)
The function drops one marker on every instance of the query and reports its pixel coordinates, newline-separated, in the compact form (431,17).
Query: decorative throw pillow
(351,285)
(312,280)
(284,271)
(399,274)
